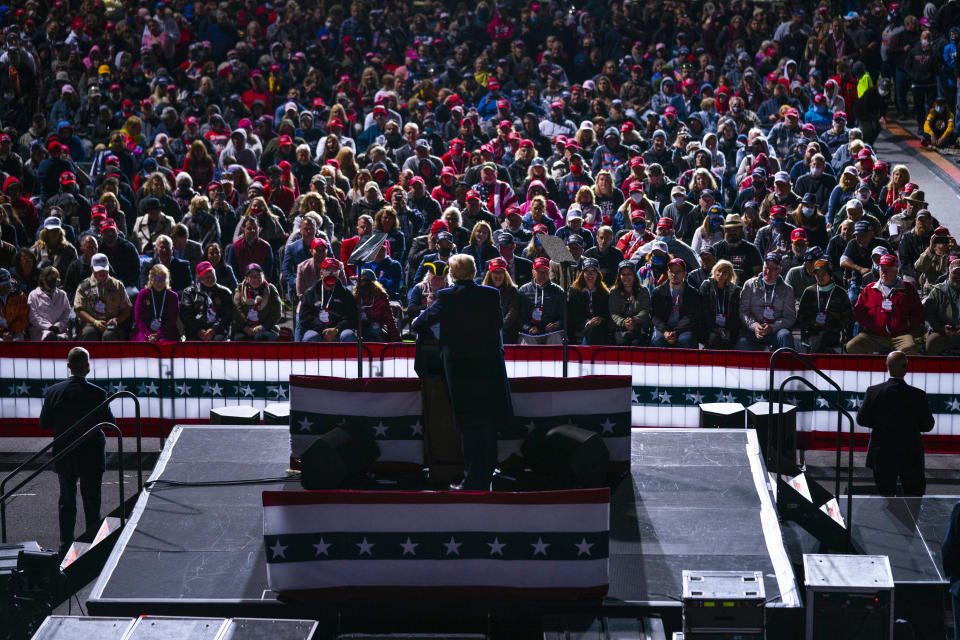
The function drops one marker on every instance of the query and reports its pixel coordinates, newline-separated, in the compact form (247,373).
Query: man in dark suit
(64,404)
(181,275)
(897,414)
(520,269)
(470,320)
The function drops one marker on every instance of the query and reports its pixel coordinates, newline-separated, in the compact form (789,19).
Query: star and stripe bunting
(467,543)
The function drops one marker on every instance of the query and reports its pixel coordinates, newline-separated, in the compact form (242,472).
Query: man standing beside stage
(471,351)
(897,414)
(63,405)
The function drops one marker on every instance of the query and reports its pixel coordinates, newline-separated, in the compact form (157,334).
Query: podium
(442,447)
(765,423)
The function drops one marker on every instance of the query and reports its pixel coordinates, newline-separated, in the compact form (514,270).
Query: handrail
(841,411)
(812,367)
(56,458)
(69,432)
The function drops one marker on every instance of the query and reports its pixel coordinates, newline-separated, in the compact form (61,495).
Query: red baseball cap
(670,111)
(107,224)
(493,83)
(192,120)
(203,267)
(285,166)
(285,140)
(379,109)
(438,226)
(637,215)
(505,124)
(329,263)
(416,180)
(336,122)
(889,259)
(541,263)
(777,208)
(637,161)
(627,126)
(636,186)
(540,228)
(798,234)
(503,104)
(513,210)
(677,262)
(317,242)
(98,209)
(499,264)
(472,194)
(526,143)
(665,223)
(68,177)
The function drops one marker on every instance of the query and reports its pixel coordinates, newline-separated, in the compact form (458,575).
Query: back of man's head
(897,364)
(78,361)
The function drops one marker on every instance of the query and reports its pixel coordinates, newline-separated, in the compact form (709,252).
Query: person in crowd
(606,255)
(49,308)
(807,216)
(856,258)
(225,274)
(588,311)
(630,308)
(178,270)
(824,311)
(481,247)
(543,307)
(376,317)
(801,276)
(157,309)
(932,263)
(890,313)
(250,248)
(942,313)
(206,307)
(24,274)
(101,304)
(735,248)
(74,406)
(14,310)
(913,243)
(328,313)
(897,415)
(123,256)
(720,297)
(151,224)
(767,309)
(675,309)
(511,302)
(52,248)
(256,307)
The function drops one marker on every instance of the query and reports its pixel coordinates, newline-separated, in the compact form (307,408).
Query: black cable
(79,606)
(151,484)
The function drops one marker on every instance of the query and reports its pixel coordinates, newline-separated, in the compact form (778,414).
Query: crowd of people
(205,171)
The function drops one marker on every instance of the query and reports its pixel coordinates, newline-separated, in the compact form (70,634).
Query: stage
(694,499)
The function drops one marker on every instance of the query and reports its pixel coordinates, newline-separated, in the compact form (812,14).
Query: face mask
(330,281)
(557,174)
(677,201)
(444,252)
(658,261)
(816,172)
(807,211)
(638,227)
(51,283)
(863,197)
(736,109)
(776,222)
(576,169)
(925,43)
(636,197)
(715,223)
(826,288)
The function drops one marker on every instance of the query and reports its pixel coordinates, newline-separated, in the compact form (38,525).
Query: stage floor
(695,499)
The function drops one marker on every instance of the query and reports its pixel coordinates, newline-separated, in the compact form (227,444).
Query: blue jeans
(89,493)
(748,341)
(685,340)
(347,335)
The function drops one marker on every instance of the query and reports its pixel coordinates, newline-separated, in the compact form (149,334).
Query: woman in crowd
(807,216)
(386,222)
(49,308)
(377,319)
(630,308)
(654,272)
(25,274)
(589,306)
(720,296)
(481,245)
(256,307)
(52,248)
(511,302)
(710,232)
(824,311)
(156,310)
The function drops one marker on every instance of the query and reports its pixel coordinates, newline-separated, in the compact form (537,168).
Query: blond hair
(462,267)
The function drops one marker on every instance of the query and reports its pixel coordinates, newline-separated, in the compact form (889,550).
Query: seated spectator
(675,309)
(702,273)
(775,237)
(913,243)
(102,304)
(676,247)
(49,308)
(256,307)
(630,242)
(328,313)
(52,248)
(932,263)
(824,311)
(734,247)
(720,297)
(157,309)
(575,226)
(801,276)
(421,295)
(225,275)
(630,308)
(588,310)
(606,255)
(938,128)
(348,245)
(24,274)
(295,253)
(123,256)
(14,310)
(152,224)
(511,302)
(543,307)
(480,246)
(520,269)
(388,271)
(767,309)
(250,248)
(201,224)
(942,310)
(889,312)
(79,269)
(857,256)
(376,317)
(179,270)
(206,308)
(807,216)
(798,247)
(710,231)
(386,221)
(185,248)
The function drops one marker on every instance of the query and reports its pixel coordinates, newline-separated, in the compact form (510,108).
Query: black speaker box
(568,455)
(336,456)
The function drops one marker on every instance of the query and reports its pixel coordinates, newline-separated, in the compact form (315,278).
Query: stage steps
(803,500)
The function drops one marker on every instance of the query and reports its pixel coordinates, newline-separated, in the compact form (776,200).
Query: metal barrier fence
(182,382)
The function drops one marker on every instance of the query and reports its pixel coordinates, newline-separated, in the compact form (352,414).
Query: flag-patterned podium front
(334,544)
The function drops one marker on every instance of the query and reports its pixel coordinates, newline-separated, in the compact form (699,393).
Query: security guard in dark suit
(470,320)
(64,404)
(897,414)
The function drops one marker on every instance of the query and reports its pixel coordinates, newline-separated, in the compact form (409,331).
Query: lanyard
(773,295)
(721,301)
(826,306)
(543,296)
(324,305)
(163,302)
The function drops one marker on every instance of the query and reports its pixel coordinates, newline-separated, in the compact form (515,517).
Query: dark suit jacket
(470,320)
(181,275)
(64,404)
(897,414)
